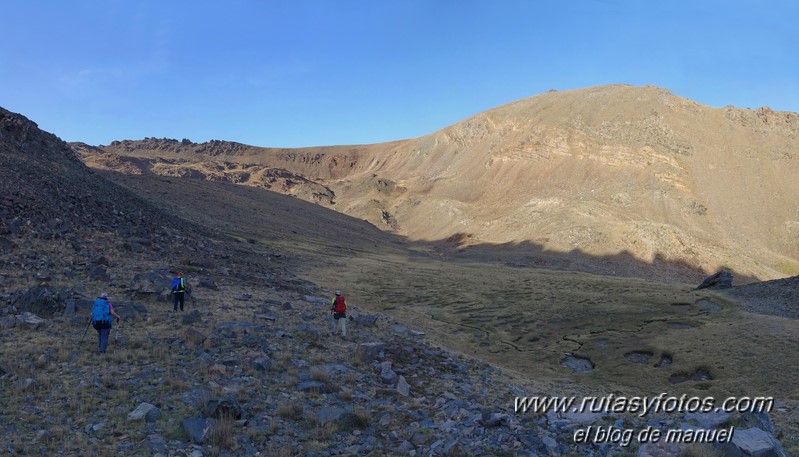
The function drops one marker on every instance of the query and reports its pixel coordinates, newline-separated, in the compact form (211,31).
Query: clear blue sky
(303,73)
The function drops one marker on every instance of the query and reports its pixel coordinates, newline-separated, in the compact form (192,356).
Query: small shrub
(345,394)
(314,446)
(55,435)
(274,426)
(281,450)
(351,379)
(290,410)
(178,382)
(82,402)
(320,374)
(221,433)
(42,362)
(290,381)
(176,434)
(361,417)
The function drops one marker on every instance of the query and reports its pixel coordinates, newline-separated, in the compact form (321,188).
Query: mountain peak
(615,170)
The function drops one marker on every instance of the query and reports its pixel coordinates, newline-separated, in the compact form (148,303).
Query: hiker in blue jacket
(179,291)
(102,313)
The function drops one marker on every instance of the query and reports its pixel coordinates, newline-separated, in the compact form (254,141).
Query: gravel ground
(779,297)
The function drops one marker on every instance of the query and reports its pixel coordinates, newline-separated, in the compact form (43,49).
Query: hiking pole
(87,329)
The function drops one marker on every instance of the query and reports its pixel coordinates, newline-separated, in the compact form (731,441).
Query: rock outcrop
(719,280)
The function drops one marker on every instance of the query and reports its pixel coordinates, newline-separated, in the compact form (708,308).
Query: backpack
(101,312)
(340,305)
(179,285)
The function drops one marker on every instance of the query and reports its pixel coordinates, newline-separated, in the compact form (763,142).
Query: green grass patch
(788,268)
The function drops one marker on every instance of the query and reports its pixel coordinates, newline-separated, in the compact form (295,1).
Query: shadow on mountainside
(528,254)
(255,214)
(259,328)
(514,305)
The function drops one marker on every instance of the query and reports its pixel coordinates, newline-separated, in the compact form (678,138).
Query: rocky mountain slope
(608,172)
(253,367)
(61,221)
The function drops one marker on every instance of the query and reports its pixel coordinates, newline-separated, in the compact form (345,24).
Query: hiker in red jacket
(340,312)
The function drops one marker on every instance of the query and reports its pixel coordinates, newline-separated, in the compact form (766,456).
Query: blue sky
(304,73)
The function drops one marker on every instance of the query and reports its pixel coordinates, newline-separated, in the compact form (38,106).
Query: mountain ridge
(257,338)
(605,170)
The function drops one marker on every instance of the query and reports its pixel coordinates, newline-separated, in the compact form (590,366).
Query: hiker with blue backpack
(178,291)
(102,314)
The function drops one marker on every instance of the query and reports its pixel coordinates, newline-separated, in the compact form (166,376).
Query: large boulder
(226,407)
(99,273)
(30,321)
(129,310)
(197,428)
(387,375)
(42,300)
(193,317)
(331,414)
(720,280)
(145,411)
(364,320)
(78,306)
(709,420)
(194,337)
(402,386)
(208,284)
(757,442)
(156,284)
(366,352)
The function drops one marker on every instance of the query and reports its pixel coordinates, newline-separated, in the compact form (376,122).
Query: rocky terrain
(623,180)
(260,372)
(778,297)
(253,366)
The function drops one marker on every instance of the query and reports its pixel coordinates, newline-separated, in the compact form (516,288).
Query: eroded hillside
(611,171)
(258,339)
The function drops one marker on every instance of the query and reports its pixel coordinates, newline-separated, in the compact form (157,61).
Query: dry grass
(522,319)
(282,449)
(222,433)
(356,362)
(290,381)
(315,445)
(525,319)
(317,357)
(82,402)
(788,268)
(72,384)
(325,432)
(274,426)
(291,410)
(178,384)
(361,417)
(350,378)
(345,394)
(320,374)
(283,356)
